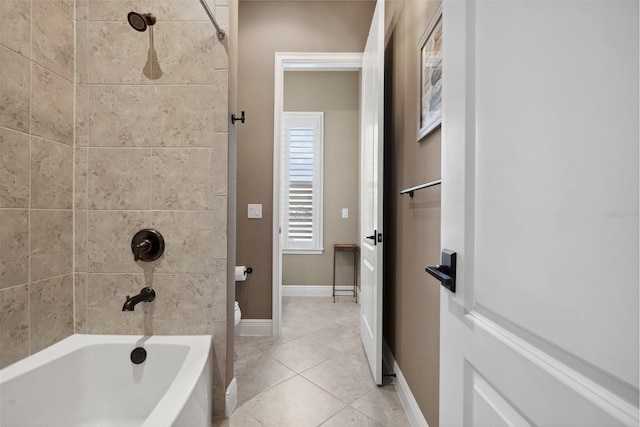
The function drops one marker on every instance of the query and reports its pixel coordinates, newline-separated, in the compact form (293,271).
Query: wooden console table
(347,247)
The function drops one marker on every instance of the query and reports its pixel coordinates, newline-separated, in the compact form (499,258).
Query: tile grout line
(30,329)
(73,172)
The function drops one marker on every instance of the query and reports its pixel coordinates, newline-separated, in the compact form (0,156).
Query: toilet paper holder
(242,272)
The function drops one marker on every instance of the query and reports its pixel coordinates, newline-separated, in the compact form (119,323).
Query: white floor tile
(295,402)
(308,375)
(349,417)
(344,376)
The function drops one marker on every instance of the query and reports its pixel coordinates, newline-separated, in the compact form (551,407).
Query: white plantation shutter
(302,182)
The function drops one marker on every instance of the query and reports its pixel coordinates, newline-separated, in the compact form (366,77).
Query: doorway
(296,63)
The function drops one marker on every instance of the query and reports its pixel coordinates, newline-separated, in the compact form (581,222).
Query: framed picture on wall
(430,99)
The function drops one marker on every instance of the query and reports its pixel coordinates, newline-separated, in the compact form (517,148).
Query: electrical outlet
(345,212)
(254,211)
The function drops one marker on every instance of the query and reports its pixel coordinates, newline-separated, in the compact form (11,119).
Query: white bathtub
(89,380)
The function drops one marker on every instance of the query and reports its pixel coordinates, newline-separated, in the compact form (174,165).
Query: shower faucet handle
(144,247)
(147,245)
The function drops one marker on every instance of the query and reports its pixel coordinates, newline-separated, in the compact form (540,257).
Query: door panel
(539,388)
(371,152)
(489,408)
(542,209)
(539,200)
(367,306)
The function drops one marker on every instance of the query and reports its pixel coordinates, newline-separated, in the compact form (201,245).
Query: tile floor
(315,374)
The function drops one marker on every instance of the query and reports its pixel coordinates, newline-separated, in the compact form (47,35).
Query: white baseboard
(254,328)
(231,398)
(314,290)
(409,403)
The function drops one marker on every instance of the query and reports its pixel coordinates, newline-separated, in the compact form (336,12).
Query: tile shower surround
(36,176)
(141,145)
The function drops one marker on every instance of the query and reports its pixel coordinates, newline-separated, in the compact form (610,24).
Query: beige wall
(36,176)
(150,151)
(411,297)
(337,95)
(266,27)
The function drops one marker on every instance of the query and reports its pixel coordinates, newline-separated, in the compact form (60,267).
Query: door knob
(373,237)
(446,272)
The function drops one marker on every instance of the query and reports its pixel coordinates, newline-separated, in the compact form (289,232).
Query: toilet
(237,314)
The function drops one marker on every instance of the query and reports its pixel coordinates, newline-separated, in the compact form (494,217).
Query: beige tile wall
(151,152)
(36,175)
(129,133)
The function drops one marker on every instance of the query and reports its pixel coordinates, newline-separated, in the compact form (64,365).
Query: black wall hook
(234,119)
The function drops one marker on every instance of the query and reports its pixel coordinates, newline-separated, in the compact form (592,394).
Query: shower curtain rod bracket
(235,119)
(219,31)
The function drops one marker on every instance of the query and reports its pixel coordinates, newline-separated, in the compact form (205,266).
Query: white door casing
(371,180)
(293,61)
(540,202)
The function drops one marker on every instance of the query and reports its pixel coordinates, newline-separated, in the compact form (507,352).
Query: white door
(371,159)
(540,202)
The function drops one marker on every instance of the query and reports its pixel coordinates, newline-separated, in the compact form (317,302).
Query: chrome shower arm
(219,31)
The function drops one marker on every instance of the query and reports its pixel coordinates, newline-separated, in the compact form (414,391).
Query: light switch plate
(345,212)
(254,211)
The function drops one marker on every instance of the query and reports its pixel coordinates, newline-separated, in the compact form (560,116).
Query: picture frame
(430,99)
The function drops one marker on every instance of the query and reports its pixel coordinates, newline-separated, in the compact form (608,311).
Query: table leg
(354,273)
(334,275)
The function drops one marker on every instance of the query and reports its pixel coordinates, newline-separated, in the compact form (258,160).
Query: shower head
(140,21)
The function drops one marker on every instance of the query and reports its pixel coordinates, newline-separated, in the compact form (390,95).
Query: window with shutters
(302,151)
